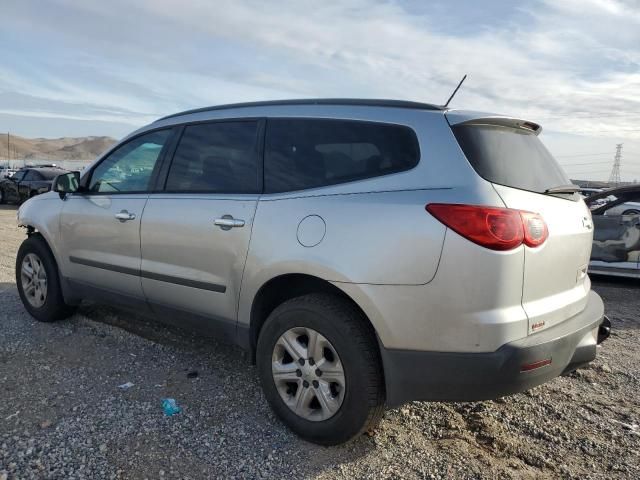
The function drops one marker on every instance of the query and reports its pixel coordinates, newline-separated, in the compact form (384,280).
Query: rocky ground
(62,414)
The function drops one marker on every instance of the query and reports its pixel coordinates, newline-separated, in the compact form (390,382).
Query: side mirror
(67,183)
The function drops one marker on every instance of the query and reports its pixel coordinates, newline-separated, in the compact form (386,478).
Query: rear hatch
(508,153)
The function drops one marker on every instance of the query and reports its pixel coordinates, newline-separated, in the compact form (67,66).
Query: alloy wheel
(34,280)
(308,374)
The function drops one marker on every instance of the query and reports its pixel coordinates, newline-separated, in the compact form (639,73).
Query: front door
(195,235)
(100,227)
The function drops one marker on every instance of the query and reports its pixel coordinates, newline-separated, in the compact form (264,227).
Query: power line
(605,131)
(599,164)
(593,115)
(583,155)
(579,164)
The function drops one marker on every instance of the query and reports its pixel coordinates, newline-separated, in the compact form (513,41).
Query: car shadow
(214,382)
(215,356)
(6,287)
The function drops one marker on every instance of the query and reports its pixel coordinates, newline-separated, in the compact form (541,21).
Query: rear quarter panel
(384,238)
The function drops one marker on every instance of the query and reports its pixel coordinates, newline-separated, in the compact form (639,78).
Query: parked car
(27,183)
(626,208)
(616,240)
(364,252)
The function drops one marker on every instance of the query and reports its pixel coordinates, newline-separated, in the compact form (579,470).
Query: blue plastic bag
(170,406)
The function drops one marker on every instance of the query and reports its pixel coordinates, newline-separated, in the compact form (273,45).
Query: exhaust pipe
(604,330)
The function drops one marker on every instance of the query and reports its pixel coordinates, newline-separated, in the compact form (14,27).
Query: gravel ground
(62,414)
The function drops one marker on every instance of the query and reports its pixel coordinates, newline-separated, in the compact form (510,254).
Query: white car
(616,239)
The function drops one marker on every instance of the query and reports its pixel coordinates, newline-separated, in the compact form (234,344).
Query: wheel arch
(284,287)
(38,218)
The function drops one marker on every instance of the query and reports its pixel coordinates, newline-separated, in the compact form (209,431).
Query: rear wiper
(563,189)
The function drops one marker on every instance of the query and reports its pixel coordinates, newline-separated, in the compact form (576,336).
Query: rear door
(195,233)
(509,154)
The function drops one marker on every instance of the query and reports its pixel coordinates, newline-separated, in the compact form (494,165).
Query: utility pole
(8,148)
(614,178)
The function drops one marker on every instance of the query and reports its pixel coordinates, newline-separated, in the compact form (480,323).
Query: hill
(66,148)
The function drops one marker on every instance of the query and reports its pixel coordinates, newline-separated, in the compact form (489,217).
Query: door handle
(227,222)
(123,216)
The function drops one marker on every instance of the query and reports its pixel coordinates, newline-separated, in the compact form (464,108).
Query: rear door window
(218,157)
(32,176)
(512,157)
(310,153)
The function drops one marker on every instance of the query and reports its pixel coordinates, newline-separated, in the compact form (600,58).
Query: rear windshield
(511,157)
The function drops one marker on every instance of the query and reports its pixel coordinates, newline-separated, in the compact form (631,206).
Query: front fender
(42,214)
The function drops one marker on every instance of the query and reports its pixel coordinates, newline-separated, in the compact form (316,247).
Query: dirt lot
(62,414)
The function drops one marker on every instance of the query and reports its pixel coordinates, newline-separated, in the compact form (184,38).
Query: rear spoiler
(457,117)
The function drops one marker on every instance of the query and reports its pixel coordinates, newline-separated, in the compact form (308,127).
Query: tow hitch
(604,330)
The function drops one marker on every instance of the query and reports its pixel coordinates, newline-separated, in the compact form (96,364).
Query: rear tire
(631,212)
(349,343)
(1,196)
(39,283)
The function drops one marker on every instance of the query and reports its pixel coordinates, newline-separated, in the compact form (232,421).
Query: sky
(79,67)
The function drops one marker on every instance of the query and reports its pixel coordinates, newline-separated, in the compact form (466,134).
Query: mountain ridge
(63,148)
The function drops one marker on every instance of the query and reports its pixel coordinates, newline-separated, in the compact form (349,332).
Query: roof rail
(315,101)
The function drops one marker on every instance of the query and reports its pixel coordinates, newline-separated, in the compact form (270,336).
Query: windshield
(510,156)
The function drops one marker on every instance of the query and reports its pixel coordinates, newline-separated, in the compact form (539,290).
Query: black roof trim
(315,101)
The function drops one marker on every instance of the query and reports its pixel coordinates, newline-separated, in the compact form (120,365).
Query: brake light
(491,227)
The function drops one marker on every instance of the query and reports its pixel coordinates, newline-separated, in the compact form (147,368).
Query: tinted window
(306,153)
(219,157)
(508,156)
(130,167)
(32,175)
(18,175)
(51,174)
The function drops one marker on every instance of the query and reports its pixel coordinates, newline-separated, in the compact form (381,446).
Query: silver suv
(366,253)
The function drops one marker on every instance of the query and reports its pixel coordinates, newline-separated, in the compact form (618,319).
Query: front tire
(38,281)
(320,368)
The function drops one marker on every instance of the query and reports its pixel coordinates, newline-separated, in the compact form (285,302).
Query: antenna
(455,91)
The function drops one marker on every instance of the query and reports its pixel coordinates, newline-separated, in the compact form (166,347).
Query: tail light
(491,227)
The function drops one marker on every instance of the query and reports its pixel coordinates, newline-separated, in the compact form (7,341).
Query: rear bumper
(453,376)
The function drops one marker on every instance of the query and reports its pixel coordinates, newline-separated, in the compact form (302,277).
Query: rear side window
(32,175)
(220,157)
(509,156)
(51,174)
(309,153)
